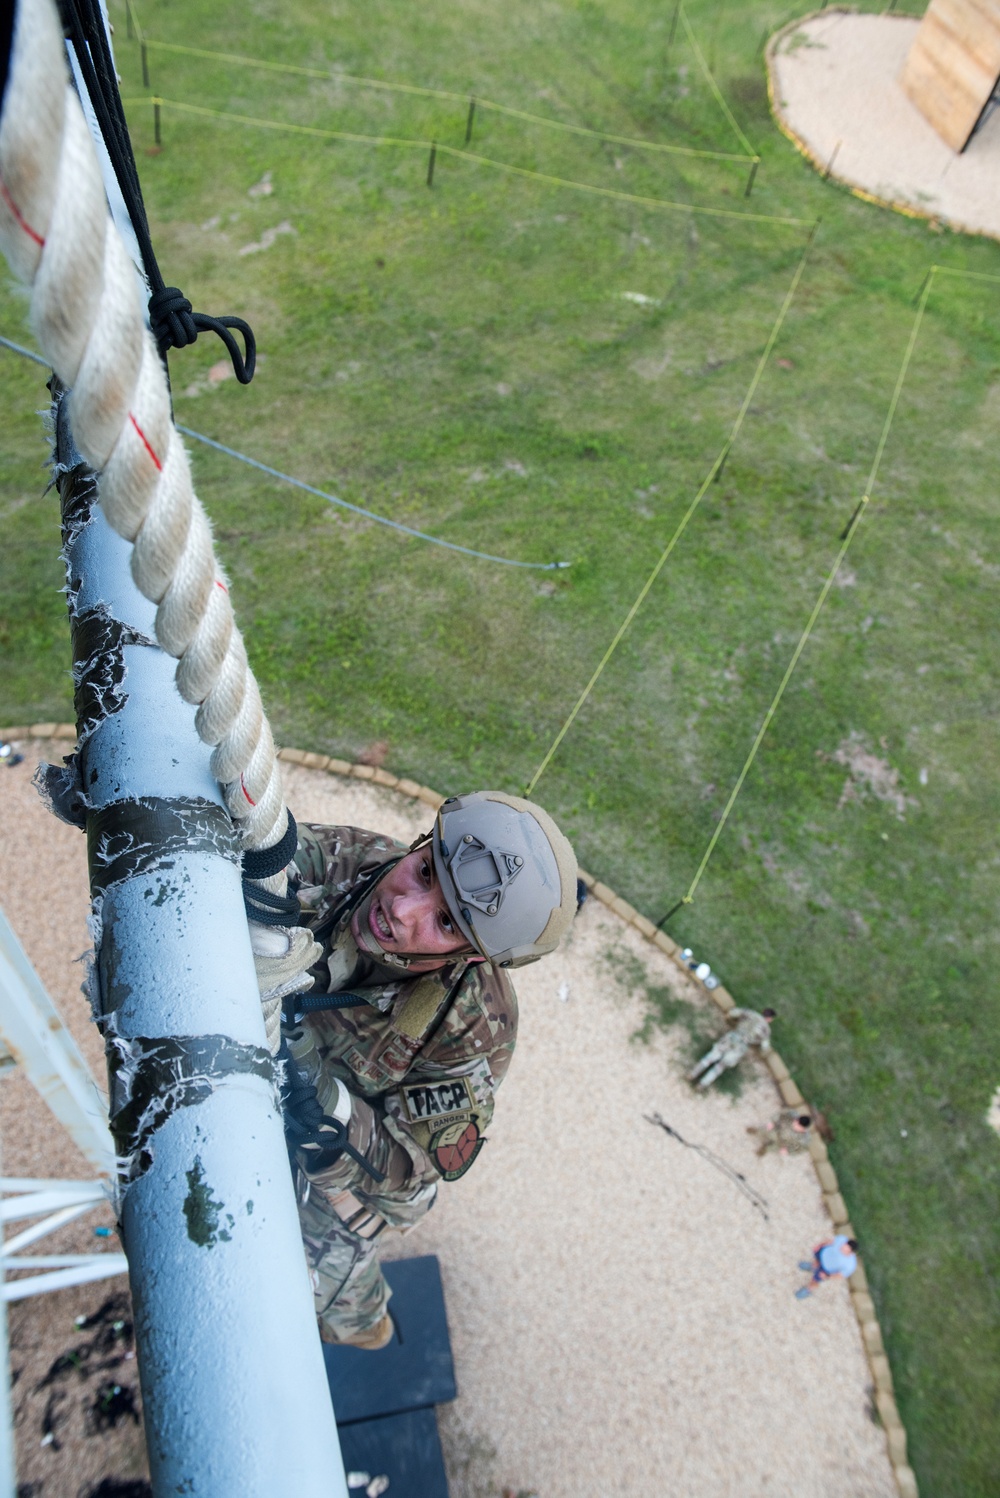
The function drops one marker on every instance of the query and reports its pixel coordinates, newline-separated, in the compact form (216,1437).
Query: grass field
(471,359)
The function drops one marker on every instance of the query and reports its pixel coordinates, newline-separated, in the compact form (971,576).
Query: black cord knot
(171,318)
(176,325)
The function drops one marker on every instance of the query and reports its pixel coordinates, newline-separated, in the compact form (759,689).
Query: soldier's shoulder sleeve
(335,858)
(446,1102)
(480,1023)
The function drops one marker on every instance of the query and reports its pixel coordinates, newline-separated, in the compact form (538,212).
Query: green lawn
(464,359)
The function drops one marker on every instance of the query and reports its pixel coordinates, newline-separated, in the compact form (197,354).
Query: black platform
(384,1401)
(405,1448)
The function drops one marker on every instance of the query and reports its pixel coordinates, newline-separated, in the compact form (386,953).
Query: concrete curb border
(908,210)
(864,1308)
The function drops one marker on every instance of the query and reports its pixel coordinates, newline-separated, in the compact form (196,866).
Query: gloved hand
(282,956)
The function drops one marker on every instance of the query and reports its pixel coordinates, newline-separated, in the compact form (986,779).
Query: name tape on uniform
(435,1100)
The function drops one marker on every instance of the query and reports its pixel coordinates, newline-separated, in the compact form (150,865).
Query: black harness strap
(312,1003)
(262,905)
(267,909)
(264,863)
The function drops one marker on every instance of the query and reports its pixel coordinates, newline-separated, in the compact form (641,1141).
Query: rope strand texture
(87,315)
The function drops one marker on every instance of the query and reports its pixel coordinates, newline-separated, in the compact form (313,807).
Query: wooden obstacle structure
(953,68)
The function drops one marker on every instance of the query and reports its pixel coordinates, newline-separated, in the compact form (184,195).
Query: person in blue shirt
(834,1259)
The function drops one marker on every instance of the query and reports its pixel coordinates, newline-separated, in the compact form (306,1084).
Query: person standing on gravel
(834,1259)
(396,1053)
(749,1029)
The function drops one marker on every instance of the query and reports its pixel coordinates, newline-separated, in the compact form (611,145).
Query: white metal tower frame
(33,1036)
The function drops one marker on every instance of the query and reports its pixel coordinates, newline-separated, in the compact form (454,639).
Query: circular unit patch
(454,1148)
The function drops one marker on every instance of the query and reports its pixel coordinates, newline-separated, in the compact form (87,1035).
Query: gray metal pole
(233,1382)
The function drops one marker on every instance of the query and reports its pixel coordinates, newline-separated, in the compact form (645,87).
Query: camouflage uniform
(781,1133)
(422,1058)
(750,1029)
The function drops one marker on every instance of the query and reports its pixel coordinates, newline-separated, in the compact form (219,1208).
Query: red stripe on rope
(18,215)
(246,792)
(221,585)
(145,442)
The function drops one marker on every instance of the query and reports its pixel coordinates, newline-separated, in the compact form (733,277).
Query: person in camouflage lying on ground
(417,1025)
(789,1133)
(748,1029)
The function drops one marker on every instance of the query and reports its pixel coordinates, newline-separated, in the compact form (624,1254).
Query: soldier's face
(408,912)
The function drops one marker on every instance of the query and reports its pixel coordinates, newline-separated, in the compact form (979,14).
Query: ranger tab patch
(454,1148)
(428,1101)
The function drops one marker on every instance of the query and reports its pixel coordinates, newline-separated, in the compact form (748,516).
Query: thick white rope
(59,238)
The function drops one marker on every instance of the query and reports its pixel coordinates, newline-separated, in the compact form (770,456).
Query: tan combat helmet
(507,873)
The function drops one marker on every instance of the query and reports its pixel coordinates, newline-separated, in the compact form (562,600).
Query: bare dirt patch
(869,774)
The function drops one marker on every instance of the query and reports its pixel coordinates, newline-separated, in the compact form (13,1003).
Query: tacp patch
(429,1101)
(454,1148)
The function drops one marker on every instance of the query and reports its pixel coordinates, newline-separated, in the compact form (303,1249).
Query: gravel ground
(43,890)
(622,1317)
(835,87)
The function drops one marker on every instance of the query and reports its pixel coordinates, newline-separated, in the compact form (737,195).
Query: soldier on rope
(749,1028)
(396,1053)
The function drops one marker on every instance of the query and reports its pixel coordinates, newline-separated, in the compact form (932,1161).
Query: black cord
(171,317)
(737,1177)
(268,909)
(307,1124)
(6,46)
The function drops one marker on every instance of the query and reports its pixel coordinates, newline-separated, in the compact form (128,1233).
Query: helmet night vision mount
(507,874)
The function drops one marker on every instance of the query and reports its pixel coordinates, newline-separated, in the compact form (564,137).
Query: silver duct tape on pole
(234,1387)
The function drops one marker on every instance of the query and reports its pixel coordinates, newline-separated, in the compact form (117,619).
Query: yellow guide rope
(327,75)
(828,584)
(848,537)
(710,80)
(682,525)
(459,154)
